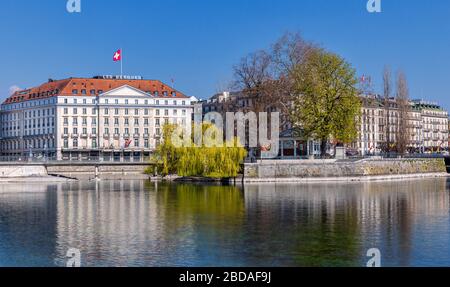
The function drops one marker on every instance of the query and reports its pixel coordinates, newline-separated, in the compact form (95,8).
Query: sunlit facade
(100,118)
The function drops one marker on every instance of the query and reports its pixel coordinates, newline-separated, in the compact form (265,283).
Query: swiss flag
(117,56)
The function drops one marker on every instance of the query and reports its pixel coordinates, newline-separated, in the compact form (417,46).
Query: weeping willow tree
(212,158)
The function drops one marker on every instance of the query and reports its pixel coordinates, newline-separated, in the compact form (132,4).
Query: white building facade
(112,120)
(427,124)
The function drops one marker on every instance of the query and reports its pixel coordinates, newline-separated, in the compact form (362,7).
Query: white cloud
(14,89)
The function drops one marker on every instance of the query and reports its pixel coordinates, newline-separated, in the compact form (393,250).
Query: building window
(74,92)
(136,122)
(75,143)
(94,143)
(66,143)
(106,111)
(106,120)
(146,143)
(136,142)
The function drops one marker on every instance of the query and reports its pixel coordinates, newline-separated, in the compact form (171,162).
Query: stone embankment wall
(74,171)
(102,171)
(20,171)
(317,169)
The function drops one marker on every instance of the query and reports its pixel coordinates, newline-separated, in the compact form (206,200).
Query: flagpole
(121,63)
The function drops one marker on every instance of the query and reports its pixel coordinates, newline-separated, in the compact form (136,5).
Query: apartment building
(379,126)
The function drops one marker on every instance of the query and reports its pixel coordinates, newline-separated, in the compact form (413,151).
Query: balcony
(136,135)
(117,136)
(126,136)
(106,136)
(74,135)
(84,136)
(146,136)
(93,136)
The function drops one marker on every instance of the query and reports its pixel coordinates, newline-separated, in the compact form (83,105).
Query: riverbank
(346,170)
(265,171)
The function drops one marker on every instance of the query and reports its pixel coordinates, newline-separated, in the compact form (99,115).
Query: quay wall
(19,171)
(82,171)
(273,171)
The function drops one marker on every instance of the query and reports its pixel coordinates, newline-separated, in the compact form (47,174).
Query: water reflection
(138,223)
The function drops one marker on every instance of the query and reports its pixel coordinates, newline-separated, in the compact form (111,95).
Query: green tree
(212,158)
(327,103)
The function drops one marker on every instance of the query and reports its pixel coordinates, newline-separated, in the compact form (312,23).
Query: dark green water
(138,223)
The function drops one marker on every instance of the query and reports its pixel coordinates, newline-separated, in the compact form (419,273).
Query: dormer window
(174,94)
(165,94)
(74,92)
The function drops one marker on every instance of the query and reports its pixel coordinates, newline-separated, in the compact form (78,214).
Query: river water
(139,223)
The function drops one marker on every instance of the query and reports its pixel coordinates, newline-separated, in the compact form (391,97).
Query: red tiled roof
(67,86)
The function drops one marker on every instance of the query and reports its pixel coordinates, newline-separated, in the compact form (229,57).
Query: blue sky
(197,42)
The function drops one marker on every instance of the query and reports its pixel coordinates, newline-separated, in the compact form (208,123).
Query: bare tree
(264,78)
(387,84)
(402,99)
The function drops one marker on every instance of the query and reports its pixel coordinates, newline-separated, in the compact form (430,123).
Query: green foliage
(212,159)
(327,104)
